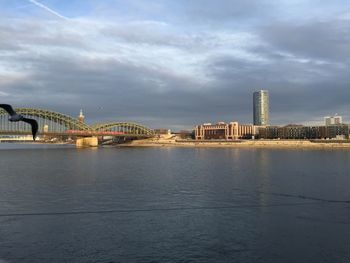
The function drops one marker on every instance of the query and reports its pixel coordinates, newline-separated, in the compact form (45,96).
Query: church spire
(81,116)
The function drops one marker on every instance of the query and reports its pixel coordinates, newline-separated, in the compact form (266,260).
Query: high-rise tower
(261,107)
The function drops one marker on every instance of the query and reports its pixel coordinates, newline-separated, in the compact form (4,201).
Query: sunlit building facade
(333,120)
(224,131)
(261,108)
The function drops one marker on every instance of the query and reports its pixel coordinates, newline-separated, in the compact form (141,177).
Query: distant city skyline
(176,63)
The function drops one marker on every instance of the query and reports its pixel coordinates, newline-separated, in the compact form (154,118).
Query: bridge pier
(87,142)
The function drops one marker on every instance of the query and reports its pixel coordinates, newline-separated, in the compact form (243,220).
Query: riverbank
(241,143)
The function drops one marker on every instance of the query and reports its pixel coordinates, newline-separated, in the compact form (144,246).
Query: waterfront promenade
(329,144)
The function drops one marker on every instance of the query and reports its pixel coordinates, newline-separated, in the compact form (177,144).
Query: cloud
(160,73)
(300,91)
(226,10)
(324,40)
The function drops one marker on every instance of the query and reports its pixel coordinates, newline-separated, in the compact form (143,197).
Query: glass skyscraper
(261,107)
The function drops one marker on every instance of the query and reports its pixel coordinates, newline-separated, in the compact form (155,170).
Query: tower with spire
(81,116)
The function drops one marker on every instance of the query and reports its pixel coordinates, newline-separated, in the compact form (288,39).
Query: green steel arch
(127,127)
(62,120)
(58,122)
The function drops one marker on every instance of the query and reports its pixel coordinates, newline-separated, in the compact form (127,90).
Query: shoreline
(281,144)
(300,144)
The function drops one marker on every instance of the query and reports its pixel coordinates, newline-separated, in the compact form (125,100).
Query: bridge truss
(51,122)
(123,127)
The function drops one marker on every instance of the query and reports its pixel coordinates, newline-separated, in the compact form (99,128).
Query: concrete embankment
(240,143)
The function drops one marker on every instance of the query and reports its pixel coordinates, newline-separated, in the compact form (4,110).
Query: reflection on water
(263,172)
(62,204)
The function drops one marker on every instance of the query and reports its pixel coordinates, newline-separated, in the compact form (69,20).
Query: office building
(298,132)
(261,107)
(224,131)
(333,120)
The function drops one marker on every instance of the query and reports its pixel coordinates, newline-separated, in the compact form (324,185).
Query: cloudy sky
(166,63)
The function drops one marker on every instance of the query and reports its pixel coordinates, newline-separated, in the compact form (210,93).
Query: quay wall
(243,143)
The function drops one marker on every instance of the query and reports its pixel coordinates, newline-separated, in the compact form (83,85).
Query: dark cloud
(299,92)
(140,94)
(163,76)
(324,40)
(125,92)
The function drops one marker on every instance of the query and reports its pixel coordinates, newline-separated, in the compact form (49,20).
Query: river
(62,204)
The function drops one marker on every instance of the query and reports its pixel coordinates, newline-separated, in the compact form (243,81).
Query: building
(162,131)
(81,117)
(185,134)
(261,108)
(224,131)
(333,120)
(337,131)
(297,132)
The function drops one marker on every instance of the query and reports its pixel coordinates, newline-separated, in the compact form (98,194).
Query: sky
(175,64)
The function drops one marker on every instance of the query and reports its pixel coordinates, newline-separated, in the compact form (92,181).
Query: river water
(61,204)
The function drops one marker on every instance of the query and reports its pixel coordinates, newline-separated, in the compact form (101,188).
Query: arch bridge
(123,127)
(55,123)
